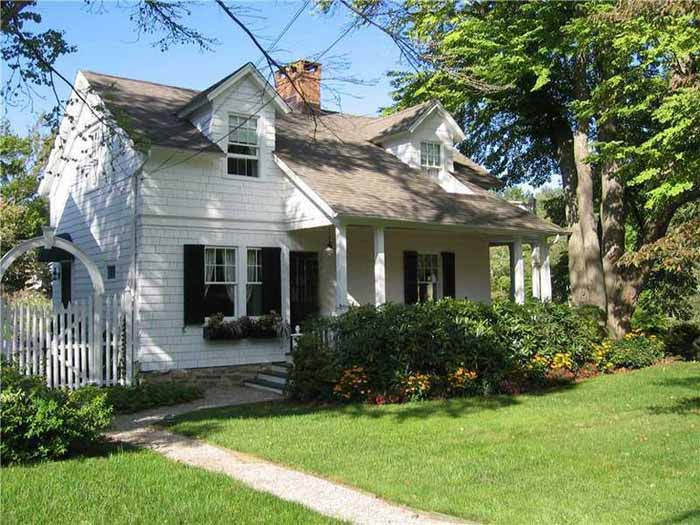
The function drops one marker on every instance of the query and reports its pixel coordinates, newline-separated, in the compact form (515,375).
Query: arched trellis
(49,240)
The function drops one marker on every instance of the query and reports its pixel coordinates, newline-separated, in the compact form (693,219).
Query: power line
(285,29)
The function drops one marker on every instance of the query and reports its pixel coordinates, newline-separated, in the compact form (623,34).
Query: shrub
(461,382)
(394,342)
(128,399)
(416,386)
(39,423)
(634,350)
(683,340)
(314,371)
(352,385)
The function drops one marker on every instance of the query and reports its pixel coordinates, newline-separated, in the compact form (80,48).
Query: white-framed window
(220,282)
(243,147)
(111,272)
(430,155)
(427,277)
(254,283)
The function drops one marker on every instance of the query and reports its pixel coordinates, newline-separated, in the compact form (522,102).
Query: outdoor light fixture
(328,250)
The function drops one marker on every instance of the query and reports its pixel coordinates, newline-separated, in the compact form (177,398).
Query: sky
(107,42)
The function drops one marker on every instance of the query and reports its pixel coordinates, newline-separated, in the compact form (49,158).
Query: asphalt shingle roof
(334,155)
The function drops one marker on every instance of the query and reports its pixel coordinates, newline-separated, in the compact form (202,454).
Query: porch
(373,263)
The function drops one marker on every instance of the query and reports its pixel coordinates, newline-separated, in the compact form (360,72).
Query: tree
(605,95)
(22,211)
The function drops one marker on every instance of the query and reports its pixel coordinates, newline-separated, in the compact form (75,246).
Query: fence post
(129,342)
(97,338)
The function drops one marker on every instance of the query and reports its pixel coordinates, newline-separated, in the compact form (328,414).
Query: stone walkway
(320,495)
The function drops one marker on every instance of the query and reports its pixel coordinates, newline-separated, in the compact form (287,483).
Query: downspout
(135,333)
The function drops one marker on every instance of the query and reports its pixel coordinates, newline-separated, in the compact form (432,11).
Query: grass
(125,486)
(614,449)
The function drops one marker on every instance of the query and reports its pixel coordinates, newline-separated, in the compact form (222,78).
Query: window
(243,146)
(427,277)
(430,155)
(111,272)
(254,289)
(220,280)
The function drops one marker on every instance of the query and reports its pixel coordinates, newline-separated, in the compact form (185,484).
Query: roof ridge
(432,100)
(139,80)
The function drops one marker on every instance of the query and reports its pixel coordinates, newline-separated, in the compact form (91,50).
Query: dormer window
(430,155)
(243,146)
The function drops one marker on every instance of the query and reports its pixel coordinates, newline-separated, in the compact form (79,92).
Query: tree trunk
(584,245)
(619,295)
(567,165)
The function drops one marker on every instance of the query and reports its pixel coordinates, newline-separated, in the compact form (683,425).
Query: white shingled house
(246,198)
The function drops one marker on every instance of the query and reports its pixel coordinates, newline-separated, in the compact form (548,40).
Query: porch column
(341,268)
(518,270)
(379,267)
(285,281)
(536,262)
(545,273)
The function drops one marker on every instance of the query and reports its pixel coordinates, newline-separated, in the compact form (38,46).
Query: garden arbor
(81,343)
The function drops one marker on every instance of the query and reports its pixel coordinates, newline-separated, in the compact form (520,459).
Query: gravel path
(323,496)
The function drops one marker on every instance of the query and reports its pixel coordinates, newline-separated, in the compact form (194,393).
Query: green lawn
(128,486)
(615,449)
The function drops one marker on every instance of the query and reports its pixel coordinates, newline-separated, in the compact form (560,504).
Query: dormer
(238,114)
(423,136)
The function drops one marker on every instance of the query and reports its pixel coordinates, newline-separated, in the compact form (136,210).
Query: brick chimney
(306,76)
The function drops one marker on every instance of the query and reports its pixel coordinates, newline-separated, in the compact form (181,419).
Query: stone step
(261,384)
(278,378)
(282,368)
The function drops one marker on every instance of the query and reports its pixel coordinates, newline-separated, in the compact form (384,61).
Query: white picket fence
(61,343)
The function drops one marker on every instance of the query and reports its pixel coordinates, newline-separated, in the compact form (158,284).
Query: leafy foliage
(438,348)
(39,423)
(22,211)
(270,325)
(129,399)
(634,350)
(683,339)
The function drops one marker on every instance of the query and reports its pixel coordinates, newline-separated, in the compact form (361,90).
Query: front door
(303,286)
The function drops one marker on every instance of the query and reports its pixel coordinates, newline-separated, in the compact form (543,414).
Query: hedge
(403,350)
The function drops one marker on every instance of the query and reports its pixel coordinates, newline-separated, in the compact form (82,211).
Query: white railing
(60,344)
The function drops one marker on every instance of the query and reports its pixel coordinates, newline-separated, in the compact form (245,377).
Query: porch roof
(359,179)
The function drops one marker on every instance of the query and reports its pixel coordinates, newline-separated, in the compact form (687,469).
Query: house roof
(147,111)
(466,170)
(359,179)
(333,154)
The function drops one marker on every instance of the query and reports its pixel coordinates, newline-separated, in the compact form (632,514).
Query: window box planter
(263,327)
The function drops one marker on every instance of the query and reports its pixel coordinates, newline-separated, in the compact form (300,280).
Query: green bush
(39,423)
(635,350)
(394,342)
(683,340)
(128,399)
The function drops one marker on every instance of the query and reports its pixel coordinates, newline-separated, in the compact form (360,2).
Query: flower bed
(453,347)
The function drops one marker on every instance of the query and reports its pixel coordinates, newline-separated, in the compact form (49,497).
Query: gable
(246,72)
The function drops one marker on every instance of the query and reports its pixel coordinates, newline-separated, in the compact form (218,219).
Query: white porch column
(536,262)
(519,271)
(379,267)
(242,279)
(286,312)
(545,273)
(341,268)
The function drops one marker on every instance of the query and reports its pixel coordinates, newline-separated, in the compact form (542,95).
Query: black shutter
(193,284)
(272,280)
(66,282)
(448,274)
(410,277)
